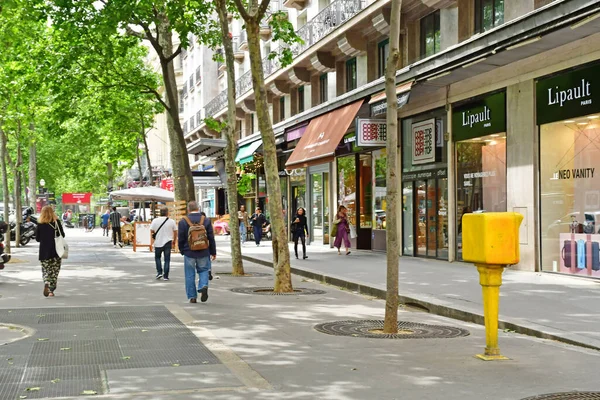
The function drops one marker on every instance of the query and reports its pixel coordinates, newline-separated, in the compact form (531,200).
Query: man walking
(105,217)
(115,222)
(258,220)
(163,230)
(198,247)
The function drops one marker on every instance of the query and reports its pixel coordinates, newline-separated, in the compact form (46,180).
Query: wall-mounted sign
(371,132)
(428,174)
(480,117)
(380,107)
(76,198)
(423,142)
(569,95)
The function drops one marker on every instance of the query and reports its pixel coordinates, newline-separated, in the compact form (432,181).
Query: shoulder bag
(158,230)
(62,248)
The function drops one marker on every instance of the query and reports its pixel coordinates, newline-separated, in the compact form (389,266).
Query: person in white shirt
(163,230)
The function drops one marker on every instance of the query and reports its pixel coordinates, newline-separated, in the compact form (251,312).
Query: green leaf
(89,392)
(65,348)
(43,339)
(126,357)
(175,365)
(33,389)
(55,380)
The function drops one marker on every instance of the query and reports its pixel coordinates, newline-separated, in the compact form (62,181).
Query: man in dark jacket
(258,220)
(196,261)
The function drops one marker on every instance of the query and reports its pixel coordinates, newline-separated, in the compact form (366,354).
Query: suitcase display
(581,254)
(595,256)
(566,253)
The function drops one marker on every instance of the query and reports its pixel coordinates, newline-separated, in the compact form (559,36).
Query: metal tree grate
(269,291)
(368,328)
(567,396)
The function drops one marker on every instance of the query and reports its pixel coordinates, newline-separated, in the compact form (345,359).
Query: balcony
(243,41)
(238,53)
(297,4)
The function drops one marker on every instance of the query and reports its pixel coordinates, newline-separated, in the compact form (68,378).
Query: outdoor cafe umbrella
(146,193)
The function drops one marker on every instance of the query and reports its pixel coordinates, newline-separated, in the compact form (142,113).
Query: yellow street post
(491,242)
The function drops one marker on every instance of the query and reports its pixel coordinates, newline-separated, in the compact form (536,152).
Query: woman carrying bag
(49,228)
(343,230)
(300,231)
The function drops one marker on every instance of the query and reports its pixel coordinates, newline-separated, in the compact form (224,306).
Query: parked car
(221,226)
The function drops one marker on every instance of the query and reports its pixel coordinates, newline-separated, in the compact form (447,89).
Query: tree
(229,130)
(392,226)
(252,15)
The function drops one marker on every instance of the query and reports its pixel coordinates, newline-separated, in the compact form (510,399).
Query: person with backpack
(163,232)
(197,245)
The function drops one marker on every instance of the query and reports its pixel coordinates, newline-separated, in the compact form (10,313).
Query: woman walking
(48,228)
(243,220)
(343,230)
(300,231)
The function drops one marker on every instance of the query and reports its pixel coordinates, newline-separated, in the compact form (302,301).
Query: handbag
(158,230)
(62,248)
(352,231)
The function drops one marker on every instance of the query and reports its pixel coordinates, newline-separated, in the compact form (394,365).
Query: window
(191,85)
(430,34)
(383,51)
(350,74)
(380,157)
(323,88)
(301,99)
(181,102)
(199,117)
(488,14)
(251,124)
(198,75)
(281,108)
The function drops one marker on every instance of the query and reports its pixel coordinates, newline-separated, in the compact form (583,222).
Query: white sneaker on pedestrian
(120,245)
(114,246)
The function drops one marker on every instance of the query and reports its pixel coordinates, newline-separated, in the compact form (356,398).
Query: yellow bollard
(491,241)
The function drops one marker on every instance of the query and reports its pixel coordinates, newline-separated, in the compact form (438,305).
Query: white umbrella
(146,193)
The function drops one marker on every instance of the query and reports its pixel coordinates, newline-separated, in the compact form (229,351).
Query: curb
(444,311)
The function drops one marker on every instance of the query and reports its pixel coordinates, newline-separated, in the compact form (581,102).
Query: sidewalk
(539,304)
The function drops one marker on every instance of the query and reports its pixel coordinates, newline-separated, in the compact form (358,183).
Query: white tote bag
(352,232)
(62,248)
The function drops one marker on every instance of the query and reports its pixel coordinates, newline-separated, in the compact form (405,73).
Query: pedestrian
(258,219)
(115,222)
(48,228)
(85,223)
(198,247)
(243,219)
(105,218)
(343,230)
(163,231)
(300,231)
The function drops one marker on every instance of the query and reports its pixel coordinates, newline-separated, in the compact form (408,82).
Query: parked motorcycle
(27,232)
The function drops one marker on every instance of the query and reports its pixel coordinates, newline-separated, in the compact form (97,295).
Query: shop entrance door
(319,211)
(430,218)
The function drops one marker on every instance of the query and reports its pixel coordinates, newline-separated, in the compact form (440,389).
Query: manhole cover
(246,275)
(370,328)
(567,396)
(269,291)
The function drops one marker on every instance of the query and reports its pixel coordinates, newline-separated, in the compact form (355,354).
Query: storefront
(479,134)
(425,186)
(568,116)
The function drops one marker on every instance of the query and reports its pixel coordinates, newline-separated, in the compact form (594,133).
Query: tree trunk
(392,229)
(151,178)
(182,174)
(32,168)
(281,253)
(17,195)
(5,188)
(230,149)
(109,174)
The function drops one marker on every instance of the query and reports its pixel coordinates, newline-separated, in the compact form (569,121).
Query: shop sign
(167,184)
(296,133)
(76,198)
(371,132)
(429,174)
(348,145)
(569,95)
(423,142)
(480,118)
(380,107)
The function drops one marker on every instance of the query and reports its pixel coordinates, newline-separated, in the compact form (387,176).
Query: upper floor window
(351,75)
(301,99)
(323,88)
(430,34)
(282,108)
(383,51)
(488,14)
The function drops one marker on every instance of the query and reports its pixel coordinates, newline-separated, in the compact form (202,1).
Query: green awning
(245,153)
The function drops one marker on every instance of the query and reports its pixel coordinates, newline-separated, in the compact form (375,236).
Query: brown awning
(403,88)
(323,134)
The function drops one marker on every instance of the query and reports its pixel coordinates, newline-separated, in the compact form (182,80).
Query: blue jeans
(243,231)
(158,251)
(191,266)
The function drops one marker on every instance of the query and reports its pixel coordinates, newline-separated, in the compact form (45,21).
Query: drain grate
(269,291)
(567,396)
(368,328)
(246,275)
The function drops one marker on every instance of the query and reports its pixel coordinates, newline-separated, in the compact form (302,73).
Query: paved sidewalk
(539,304)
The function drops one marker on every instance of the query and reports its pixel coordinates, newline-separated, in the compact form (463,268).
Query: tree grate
(367,328)
(269,291)
(567,396)
(246,275)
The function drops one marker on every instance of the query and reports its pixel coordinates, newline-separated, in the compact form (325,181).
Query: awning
(295,132)
(210,148)
(319,141)
(206,179)
(378,102)
(245,153)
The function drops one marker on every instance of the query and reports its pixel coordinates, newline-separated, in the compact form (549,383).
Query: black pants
(257,230)
(303,237)
(116,234)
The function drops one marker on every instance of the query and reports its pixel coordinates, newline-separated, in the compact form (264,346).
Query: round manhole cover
(269,291)
(246,275)
(12,333)
(371,328)
(567,396)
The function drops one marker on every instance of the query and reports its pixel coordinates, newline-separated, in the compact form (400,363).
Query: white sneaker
(120,245)
(114,246)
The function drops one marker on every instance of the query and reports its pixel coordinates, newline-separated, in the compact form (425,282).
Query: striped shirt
(115,219)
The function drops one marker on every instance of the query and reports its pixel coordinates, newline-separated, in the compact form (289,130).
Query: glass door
(421,218)
(442,219)
(317,207)
(326,208)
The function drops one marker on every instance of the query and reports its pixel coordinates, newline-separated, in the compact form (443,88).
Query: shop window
(351,75)
(282,109)
(366,190)
(346,170)
(301,99)
(380,207)
(430,34)
(383,51)
(488,14)
(323,88)
(570,196)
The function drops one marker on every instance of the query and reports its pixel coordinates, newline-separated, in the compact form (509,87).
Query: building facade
(497,112)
